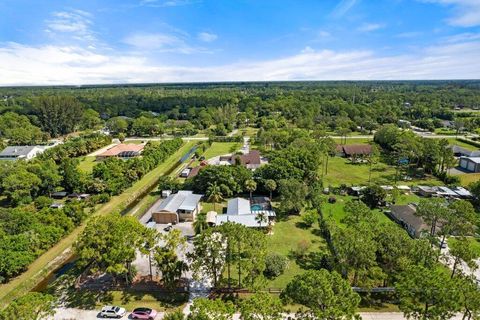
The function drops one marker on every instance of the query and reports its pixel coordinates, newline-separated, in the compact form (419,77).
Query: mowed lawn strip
(86,164)
(221,148)
(50,260)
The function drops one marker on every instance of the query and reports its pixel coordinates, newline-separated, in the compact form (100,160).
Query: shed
(471,164)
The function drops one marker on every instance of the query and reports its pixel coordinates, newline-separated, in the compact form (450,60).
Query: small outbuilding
(471,164)
(181,206)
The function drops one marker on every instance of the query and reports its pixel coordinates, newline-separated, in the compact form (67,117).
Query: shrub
(310,217)
(275,265)
(302,248)
(176,315)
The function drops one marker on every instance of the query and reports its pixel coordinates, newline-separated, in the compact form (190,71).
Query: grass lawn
(86,164)
(341,171)
(208,206)
(467,178)
(474,242)
(287,234)
(55,256)
(336,211)
(455,141)
(445,131)
(134,299)
(249,131)
(221,148)
(354,140)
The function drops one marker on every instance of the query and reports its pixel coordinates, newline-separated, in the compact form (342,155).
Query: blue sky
(88,41)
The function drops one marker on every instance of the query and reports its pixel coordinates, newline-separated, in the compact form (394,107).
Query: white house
(240,211)
(21,152)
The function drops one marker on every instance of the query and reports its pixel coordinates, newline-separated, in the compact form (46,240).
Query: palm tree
(251,186)
(200,223)
(261,217)
(214,194)
(270,185)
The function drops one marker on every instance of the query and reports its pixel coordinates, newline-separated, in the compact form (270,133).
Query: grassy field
(454,141)
(286,236)
(86,164)
(475,242)
(467,178)
(341,171)
(208,206)
(250,132)
(354,140)
(55,256)
(221,148)
(335,210)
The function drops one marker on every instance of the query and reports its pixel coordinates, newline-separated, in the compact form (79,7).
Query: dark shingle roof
(350,149)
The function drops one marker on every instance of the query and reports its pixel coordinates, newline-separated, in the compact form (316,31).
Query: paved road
(70,314)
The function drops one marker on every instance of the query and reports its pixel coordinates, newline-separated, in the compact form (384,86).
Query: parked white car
(112,312)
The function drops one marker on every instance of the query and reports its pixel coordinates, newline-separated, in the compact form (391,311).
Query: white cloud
(74,23)
(166,3)
(407,35)
(28,65)
(161,42)
(207,37)
(343,7)
(369,27)
(466,12)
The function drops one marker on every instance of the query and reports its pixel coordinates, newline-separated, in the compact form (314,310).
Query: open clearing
(221,148)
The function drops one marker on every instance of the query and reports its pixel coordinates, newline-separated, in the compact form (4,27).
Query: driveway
(449,261)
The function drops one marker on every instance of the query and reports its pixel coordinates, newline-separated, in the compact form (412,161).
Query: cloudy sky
(137,41)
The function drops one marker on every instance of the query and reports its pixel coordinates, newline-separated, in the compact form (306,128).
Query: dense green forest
(154,109)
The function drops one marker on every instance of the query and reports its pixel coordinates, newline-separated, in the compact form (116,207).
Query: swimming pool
(256,207)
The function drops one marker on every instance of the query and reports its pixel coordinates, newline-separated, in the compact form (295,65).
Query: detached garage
(471,164)
(181,206)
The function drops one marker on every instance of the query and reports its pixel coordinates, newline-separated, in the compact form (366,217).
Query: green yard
(86,164)
(455,141)
(286,236)
(335,210)
(209,206)
(342,171)
(221,148)
(351,140)
(467,178)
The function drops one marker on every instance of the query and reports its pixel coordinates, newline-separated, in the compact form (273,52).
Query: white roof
(238,206)
(18,151)
(403,187)
(386,187)
(183,200)
(473,159)
(248,220)
(427,188)
(211,216)
(462,192)
(446,191)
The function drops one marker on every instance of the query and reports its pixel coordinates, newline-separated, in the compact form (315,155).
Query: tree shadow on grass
(165,299)
(86,299)
(314,260)
(302,225)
